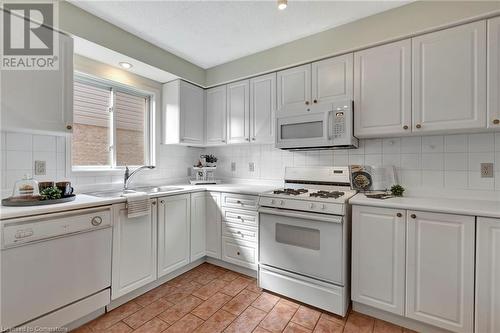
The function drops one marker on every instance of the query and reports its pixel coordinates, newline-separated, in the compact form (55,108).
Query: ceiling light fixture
(282,4)
(125,65)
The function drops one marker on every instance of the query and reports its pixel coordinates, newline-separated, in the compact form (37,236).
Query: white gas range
(304,237)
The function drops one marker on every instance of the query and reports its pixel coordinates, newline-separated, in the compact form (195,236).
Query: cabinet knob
(418,126)
(253,139)
(413,216)
(239,217)
(496,121)
(96,220)
(399,215)
(69,127)
(315,101)
(247,139)
(153,203)
(162,202)
(223,141)
(238,201)
(307,102)
(238,253)
(405,127)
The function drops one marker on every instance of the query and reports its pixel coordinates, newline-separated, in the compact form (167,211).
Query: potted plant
(211,160)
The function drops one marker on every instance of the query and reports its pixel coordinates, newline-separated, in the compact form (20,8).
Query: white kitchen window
(112,126)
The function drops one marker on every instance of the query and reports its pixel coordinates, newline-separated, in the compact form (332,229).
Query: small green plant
(397,190)
(51,193)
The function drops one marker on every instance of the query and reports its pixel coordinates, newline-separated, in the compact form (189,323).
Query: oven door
(303,131)
(309,244)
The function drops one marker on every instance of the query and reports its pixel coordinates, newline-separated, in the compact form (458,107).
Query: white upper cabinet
(183,113)
(216,116)
(238,112)
(213,225)
(174,220)
(294,88)
(440,275)
(134,250)
(382,90)
(494,73)
(262,108)
(40,100)
(378,257)
(449,79)
(332,79)
(488,275)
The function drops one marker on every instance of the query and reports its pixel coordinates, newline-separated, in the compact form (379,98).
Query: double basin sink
(147,189)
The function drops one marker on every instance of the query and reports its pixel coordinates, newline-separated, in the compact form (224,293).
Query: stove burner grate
(327,194)
(291,191)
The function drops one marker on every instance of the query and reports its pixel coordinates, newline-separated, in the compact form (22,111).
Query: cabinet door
(440,270)
(198,225)
(449,79)
(173,233)
(378,257)
(494,73)
(262,108)
(40,100)
(382,90)
(294,89)
(488,276)
(238,112)
(213,225)
(191,113)
(134,250)
(216,116)
(332,79)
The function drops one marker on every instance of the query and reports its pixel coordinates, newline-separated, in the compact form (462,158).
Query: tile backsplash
(19,151)
(450,162)
(441,162)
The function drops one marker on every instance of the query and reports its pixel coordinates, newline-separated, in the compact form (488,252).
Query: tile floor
(212,299)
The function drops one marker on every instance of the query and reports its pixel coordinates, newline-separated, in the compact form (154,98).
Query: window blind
(91,104)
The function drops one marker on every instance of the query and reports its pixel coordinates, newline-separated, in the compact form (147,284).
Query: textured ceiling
(209,33)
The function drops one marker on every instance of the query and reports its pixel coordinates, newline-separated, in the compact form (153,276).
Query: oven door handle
(301,215)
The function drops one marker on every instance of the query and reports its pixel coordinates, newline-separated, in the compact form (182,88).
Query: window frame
(149,128)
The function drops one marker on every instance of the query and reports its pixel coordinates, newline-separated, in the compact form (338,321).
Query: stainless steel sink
(147,189)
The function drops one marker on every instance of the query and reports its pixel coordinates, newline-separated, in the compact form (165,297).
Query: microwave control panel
(339,124)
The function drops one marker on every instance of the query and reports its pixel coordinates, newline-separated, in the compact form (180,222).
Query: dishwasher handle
(302,215)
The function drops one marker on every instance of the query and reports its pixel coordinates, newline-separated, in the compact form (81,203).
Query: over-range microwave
(324,126)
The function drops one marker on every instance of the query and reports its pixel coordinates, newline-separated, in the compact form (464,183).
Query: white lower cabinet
(378,257)
(239,252)
(423,271)
(198,227)
(174,216)
(213,225)
(440,270)
(488,275)
(134,250)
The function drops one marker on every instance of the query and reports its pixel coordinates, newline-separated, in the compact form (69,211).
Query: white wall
(433,162)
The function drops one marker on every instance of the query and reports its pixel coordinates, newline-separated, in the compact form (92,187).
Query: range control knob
(273,201)
(323,206)
(282,202)
(311,205)
(96,220)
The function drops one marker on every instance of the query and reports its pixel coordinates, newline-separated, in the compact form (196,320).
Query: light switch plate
(486,170)
(40,168)
(233,166)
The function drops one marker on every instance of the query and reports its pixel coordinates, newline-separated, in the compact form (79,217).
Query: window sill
(97,172)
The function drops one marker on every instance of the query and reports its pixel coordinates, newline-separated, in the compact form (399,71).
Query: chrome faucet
(128,174)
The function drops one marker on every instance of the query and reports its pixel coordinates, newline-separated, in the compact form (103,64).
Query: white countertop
(86,201)
(462,206)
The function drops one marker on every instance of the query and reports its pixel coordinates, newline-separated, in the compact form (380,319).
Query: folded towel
(137,204)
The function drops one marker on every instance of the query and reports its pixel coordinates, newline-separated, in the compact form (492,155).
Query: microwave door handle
(328,125)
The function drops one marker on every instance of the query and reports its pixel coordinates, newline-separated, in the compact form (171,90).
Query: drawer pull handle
(238,201)
(413,216)
(238,253)
(239,217)
(405,127)
(418,126)
(496,121)
(96,220)
(399,215)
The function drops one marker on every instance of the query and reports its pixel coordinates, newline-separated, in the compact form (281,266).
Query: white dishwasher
(55,268)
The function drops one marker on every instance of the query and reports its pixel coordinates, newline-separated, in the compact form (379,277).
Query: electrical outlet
(486,170)
(189,171)
(40,168)
(251,166)
(233,166)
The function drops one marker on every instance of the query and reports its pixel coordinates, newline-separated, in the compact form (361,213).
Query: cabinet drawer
(238,233)
(243,217)
(239,252)
(240,201)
